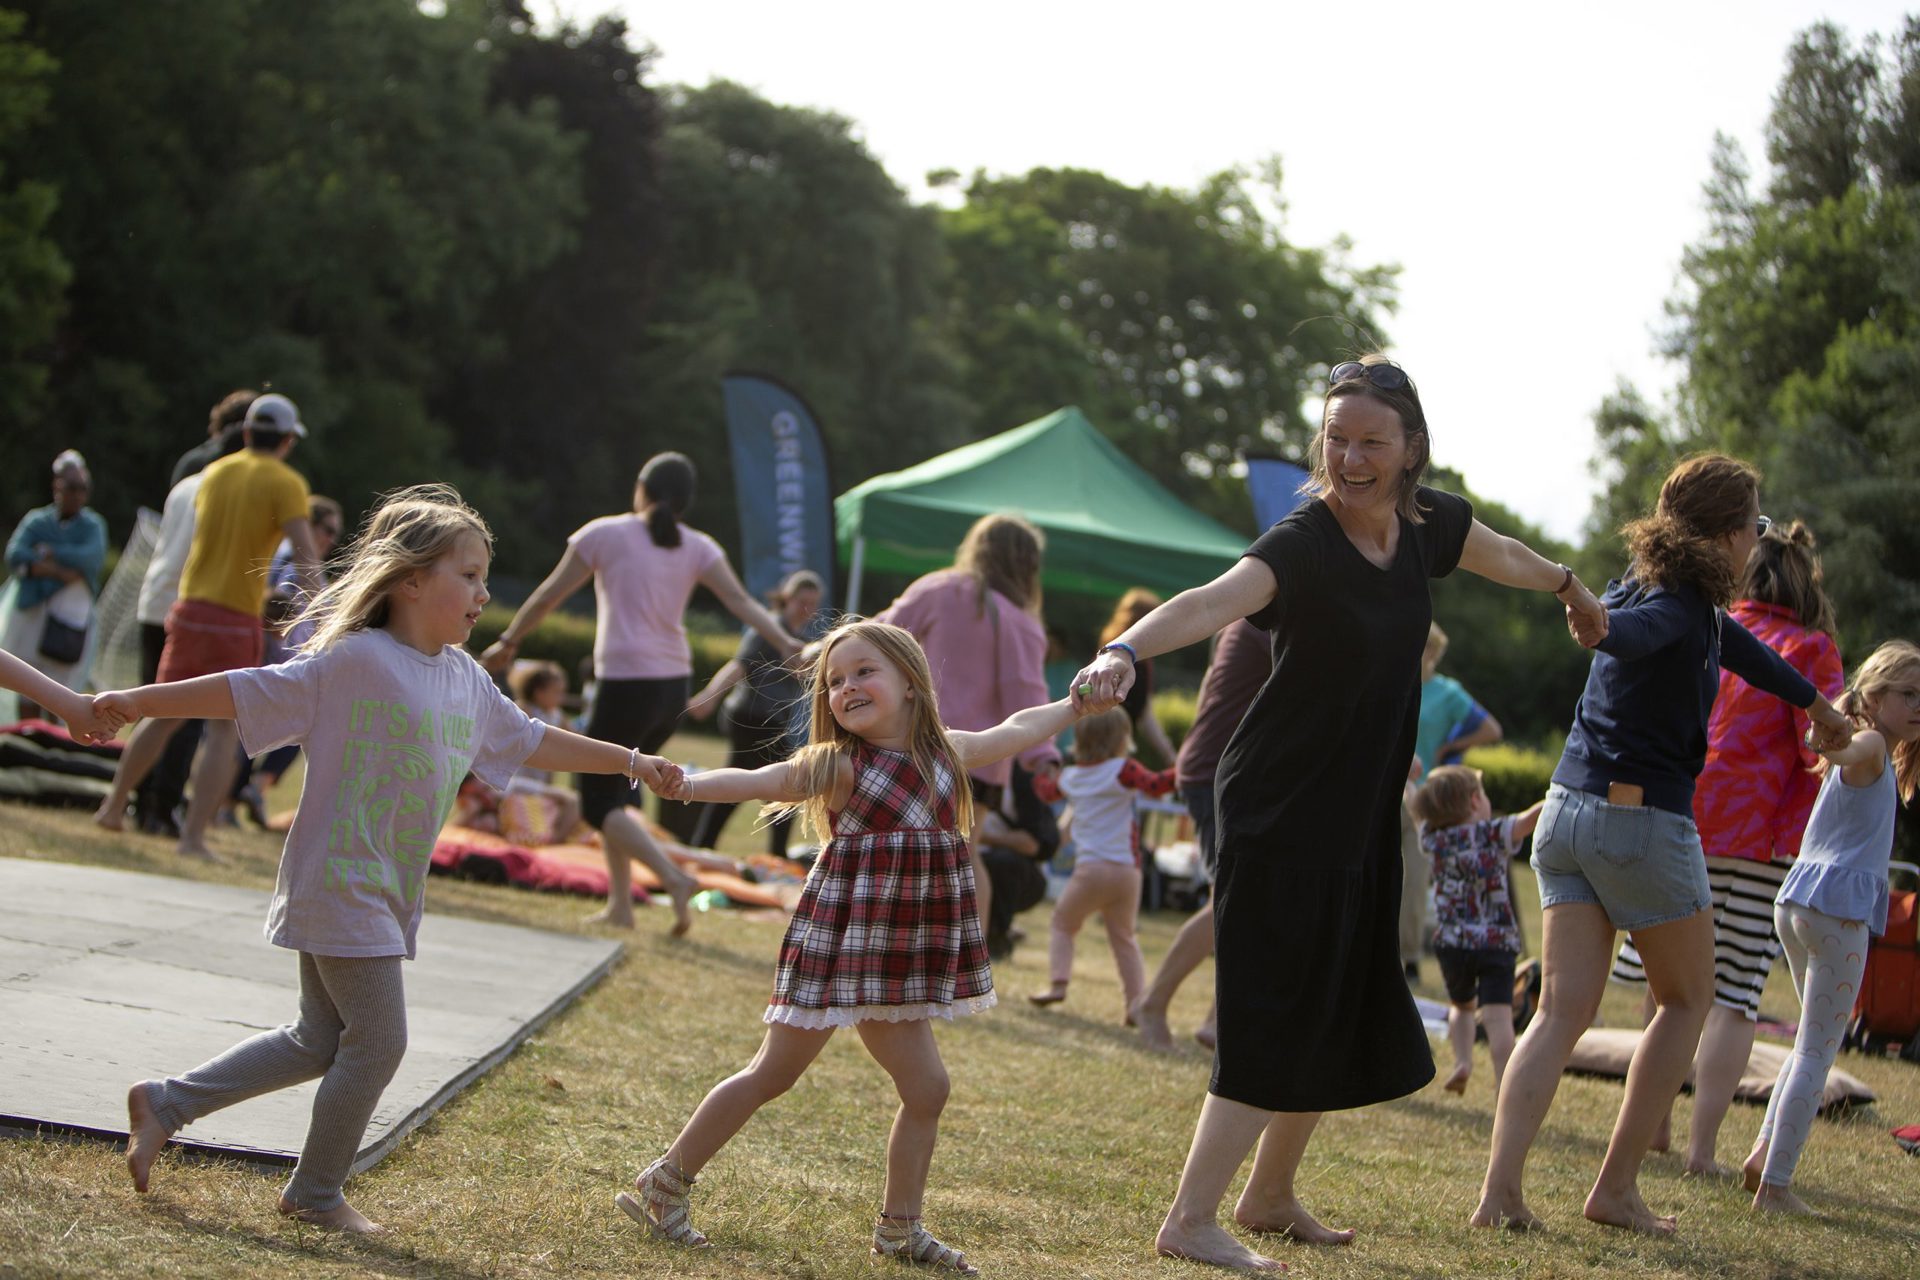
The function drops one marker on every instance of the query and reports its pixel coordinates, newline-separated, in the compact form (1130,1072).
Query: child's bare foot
(1287,1218)
(199,852)
(109,818)
(1457,1082)
(1754,1166)
(1209,1243)
(1204,1036)
(1052,995)
(345,1218)
(1772,1199)
(1154,1031)
(612,916)
(1512,1214)
(146,1137)
(1611,1209)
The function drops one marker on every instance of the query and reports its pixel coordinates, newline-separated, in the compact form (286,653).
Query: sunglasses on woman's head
(1761,524)
(1385,374)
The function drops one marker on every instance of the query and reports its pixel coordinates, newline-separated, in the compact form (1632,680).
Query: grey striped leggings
(352,1033)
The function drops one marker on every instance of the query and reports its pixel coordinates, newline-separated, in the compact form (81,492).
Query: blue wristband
(1121,644)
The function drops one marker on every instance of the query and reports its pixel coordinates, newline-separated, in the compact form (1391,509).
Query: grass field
(1059,1150)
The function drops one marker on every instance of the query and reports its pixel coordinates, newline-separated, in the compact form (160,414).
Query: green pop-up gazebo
(1109,524)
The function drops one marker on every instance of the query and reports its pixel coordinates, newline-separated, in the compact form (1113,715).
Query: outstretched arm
(1526,820)
(1019,731)
(1512,563)
(201,698)
(1191,616)
(703,704)
(563,751)
(1860,760)
(721,580)
(567,577)
(784,781)
(71,707)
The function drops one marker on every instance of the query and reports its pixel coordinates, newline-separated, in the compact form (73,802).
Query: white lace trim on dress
(824,1019)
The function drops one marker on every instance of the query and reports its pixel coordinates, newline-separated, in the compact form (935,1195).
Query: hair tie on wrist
(1564,582)
(1132,654)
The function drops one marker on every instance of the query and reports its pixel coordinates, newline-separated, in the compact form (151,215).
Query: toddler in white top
(1099,787)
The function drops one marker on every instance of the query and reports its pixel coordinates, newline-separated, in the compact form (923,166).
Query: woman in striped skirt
(1751,805)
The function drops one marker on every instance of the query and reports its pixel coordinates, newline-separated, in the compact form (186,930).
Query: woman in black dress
(1314,1009)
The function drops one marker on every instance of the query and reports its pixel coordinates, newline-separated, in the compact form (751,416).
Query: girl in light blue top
(1834,896)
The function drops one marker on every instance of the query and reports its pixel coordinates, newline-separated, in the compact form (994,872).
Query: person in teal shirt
(58,550)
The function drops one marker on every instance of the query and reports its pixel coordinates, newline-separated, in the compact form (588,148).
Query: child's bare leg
(1726,1046)
(1191,945)
(1226,1131)
(1078,900)
(1122,909)
(782,1058)
(624,837)
(1460,1040)
(1498,1021)
(1268,1202)
(907,1052)
(142,752)
(210,783)
(1577,946)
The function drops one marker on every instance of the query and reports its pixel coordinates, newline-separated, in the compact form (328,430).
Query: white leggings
(1827,956)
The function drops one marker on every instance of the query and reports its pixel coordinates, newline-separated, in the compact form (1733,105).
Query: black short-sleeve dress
(1315,1014)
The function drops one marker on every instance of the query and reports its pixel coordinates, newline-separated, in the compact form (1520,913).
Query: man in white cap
(247,502)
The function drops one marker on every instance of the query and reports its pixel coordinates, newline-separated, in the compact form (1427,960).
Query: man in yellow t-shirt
(247,502)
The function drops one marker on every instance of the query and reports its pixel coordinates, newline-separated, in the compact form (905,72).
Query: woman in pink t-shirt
(979,623)
(644,565)
(1751,805)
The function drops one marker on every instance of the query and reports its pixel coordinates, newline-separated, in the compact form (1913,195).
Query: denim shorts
(1643,866)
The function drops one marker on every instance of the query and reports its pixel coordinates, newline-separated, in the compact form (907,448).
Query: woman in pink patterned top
(1751,805)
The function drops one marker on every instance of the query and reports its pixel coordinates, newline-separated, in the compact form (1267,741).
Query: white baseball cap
(274,412)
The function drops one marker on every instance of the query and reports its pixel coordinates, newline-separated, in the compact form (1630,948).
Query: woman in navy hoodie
(1616,846)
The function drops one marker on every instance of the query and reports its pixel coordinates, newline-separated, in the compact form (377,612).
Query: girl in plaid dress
(887,933)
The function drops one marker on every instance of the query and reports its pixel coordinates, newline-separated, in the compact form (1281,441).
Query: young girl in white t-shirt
(1099,787)
(394,714)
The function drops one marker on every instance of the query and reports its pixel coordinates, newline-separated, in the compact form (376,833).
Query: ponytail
(666,489)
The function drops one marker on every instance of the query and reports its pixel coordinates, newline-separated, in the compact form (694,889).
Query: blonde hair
(1103,736)
(815,766)
(1445,799)
(1405,402)
(1892,665)
(1003,552)
(407,531)
(1136,604)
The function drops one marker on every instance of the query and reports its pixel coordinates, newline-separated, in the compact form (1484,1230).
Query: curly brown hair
(1704,498)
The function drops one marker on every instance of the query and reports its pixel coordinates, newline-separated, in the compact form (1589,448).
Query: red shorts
(204,638)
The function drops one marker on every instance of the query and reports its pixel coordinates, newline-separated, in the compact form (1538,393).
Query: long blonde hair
(1893,664)
(815,766)
(407,531)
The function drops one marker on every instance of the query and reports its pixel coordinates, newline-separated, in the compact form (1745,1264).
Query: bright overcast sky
(1535,169)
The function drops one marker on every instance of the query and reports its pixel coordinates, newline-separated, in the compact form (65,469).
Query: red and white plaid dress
(888,926)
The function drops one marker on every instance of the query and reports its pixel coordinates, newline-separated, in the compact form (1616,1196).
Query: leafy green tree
(33,272)
(1184,323)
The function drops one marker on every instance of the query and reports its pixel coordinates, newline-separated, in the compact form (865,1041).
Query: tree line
(476,249)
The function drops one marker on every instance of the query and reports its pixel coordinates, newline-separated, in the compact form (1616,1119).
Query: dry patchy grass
(1059,1150)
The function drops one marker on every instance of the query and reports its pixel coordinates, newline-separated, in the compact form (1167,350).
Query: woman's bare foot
(1457,1082)
(1287,1218)
(1154,1031)
(1512,1214)
(680,894)
(345,1218)
(199,853)
(1627,1210)
(1772,1199)
(146,1137)
(1204,1036)
(1052,995)
(1209,1243)
(612,916)
(109,818)
(1754,1166)
(1708,1169)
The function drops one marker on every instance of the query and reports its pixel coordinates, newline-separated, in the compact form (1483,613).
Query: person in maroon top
(1242,660)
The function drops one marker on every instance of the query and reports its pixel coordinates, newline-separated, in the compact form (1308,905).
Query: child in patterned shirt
(1478,938)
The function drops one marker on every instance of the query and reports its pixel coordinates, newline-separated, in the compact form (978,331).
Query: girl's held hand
(672,784)
(112,711)
(1102,683)
(1829,730)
